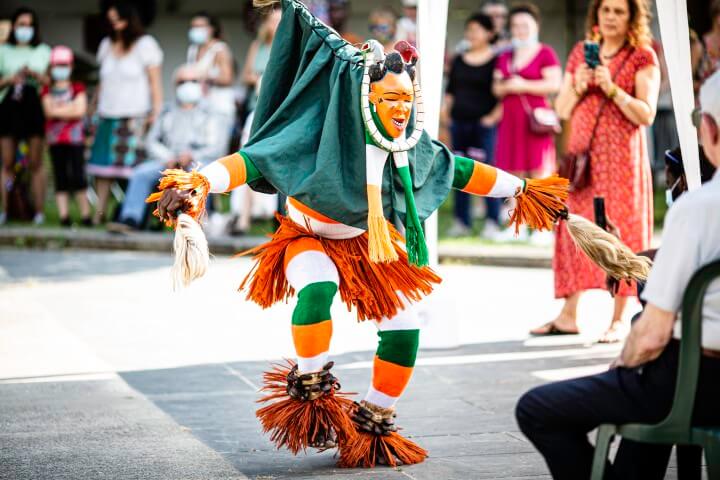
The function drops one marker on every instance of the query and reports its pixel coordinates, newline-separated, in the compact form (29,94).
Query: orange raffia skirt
(372,288)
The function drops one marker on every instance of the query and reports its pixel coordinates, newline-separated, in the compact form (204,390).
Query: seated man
(640,385)
(185,135)
(676,185)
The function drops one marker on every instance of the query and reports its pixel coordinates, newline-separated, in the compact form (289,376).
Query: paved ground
(104,373)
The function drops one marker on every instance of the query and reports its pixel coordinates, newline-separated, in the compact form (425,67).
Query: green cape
(308,137)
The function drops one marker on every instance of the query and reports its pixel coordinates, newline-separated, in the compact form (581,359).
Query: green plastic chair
(675,428)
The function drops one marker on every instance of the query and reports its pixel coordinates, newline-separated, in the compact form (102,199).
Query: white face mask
(60,72)
(188,92)
(669,193)
(198,35)
(24,34)
(531,41)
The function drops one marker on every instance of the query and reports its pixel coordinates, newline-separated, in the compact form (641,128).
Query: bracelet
(574,89)
(613,92)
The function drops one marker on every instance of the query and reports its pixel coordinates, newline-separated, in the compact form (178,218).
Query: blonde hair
(607,251)
(639,34)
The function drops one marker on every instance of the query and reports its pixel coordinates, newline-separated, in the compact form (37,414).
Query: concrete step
(450,251)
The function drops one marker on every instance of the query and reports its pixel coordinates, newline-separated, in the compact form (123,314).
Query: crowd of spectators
(501,83)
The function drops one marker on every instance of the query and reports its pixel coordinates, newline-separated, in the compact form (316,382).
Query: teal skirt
(118,147)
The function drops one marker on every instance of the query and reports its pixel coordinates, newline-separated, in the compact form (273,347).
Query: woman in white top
(213,61)
(129,99)
(24,60)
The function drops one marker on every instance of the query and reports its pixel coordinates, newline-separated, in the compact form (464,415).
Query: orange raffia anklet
(377,440)
(307,410)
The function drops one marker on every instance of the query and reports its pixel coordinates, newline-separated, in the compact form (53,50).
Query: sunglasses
(673,158)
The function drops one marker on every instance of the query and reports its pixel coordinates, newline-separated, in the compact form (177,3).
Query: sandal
(551,329)
(614,334)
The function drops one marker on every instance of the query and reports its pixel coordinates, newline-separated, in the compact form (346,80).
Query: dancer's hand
(171,201)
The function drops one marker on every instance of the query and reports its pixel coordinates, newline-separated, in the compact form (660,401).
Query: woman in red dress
(524,77)
(620,94)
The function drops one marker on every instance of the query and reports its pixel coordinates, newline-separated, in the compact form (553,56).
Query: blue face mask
(198,35)
(24,34)
(669,193)
(382,32)
(60,72)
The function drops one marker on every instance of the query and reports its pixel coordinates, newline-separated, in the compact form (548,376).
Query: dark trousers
(472,140)
(558,416)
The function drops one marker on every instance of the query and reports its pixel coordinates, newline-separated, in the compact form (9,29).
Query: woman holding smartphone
(609,95)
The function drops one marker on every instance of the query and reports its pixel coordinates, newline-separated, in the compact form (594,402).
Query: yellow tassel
(540,203)
(379,241)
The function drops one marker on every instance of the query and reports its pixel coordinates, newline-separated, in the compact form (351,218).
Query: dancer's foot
(615,333)
(305,409)
(563,325)
(377,441)
(378,421)
(324,440)
(373,419)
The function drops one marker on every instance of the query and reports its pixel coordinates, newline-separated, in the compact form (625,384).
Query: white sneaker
(3,218)
(458,229)
(39,218)
(508,235)
(542,239)
(491,231)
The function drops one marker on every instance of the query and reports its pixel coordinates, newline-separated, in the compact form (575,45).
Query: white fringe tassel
(192,256)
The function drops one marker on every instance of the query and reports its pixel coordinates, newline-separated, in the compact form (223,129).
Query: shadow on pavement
(462,413)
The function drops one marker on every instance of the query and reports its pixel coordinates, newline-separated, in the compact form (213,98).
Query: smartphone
(592,54)
(599,206)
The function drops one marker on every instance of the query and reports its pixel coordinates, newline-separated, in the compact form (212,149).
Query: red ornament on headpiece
(408,53)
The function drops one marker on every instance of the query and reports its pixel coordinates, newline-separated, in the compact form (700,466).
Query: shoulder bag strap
(605,100)
(514,71)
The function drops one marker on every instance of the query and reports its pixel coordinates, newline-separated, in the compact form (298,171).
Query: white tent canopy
(675,37)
